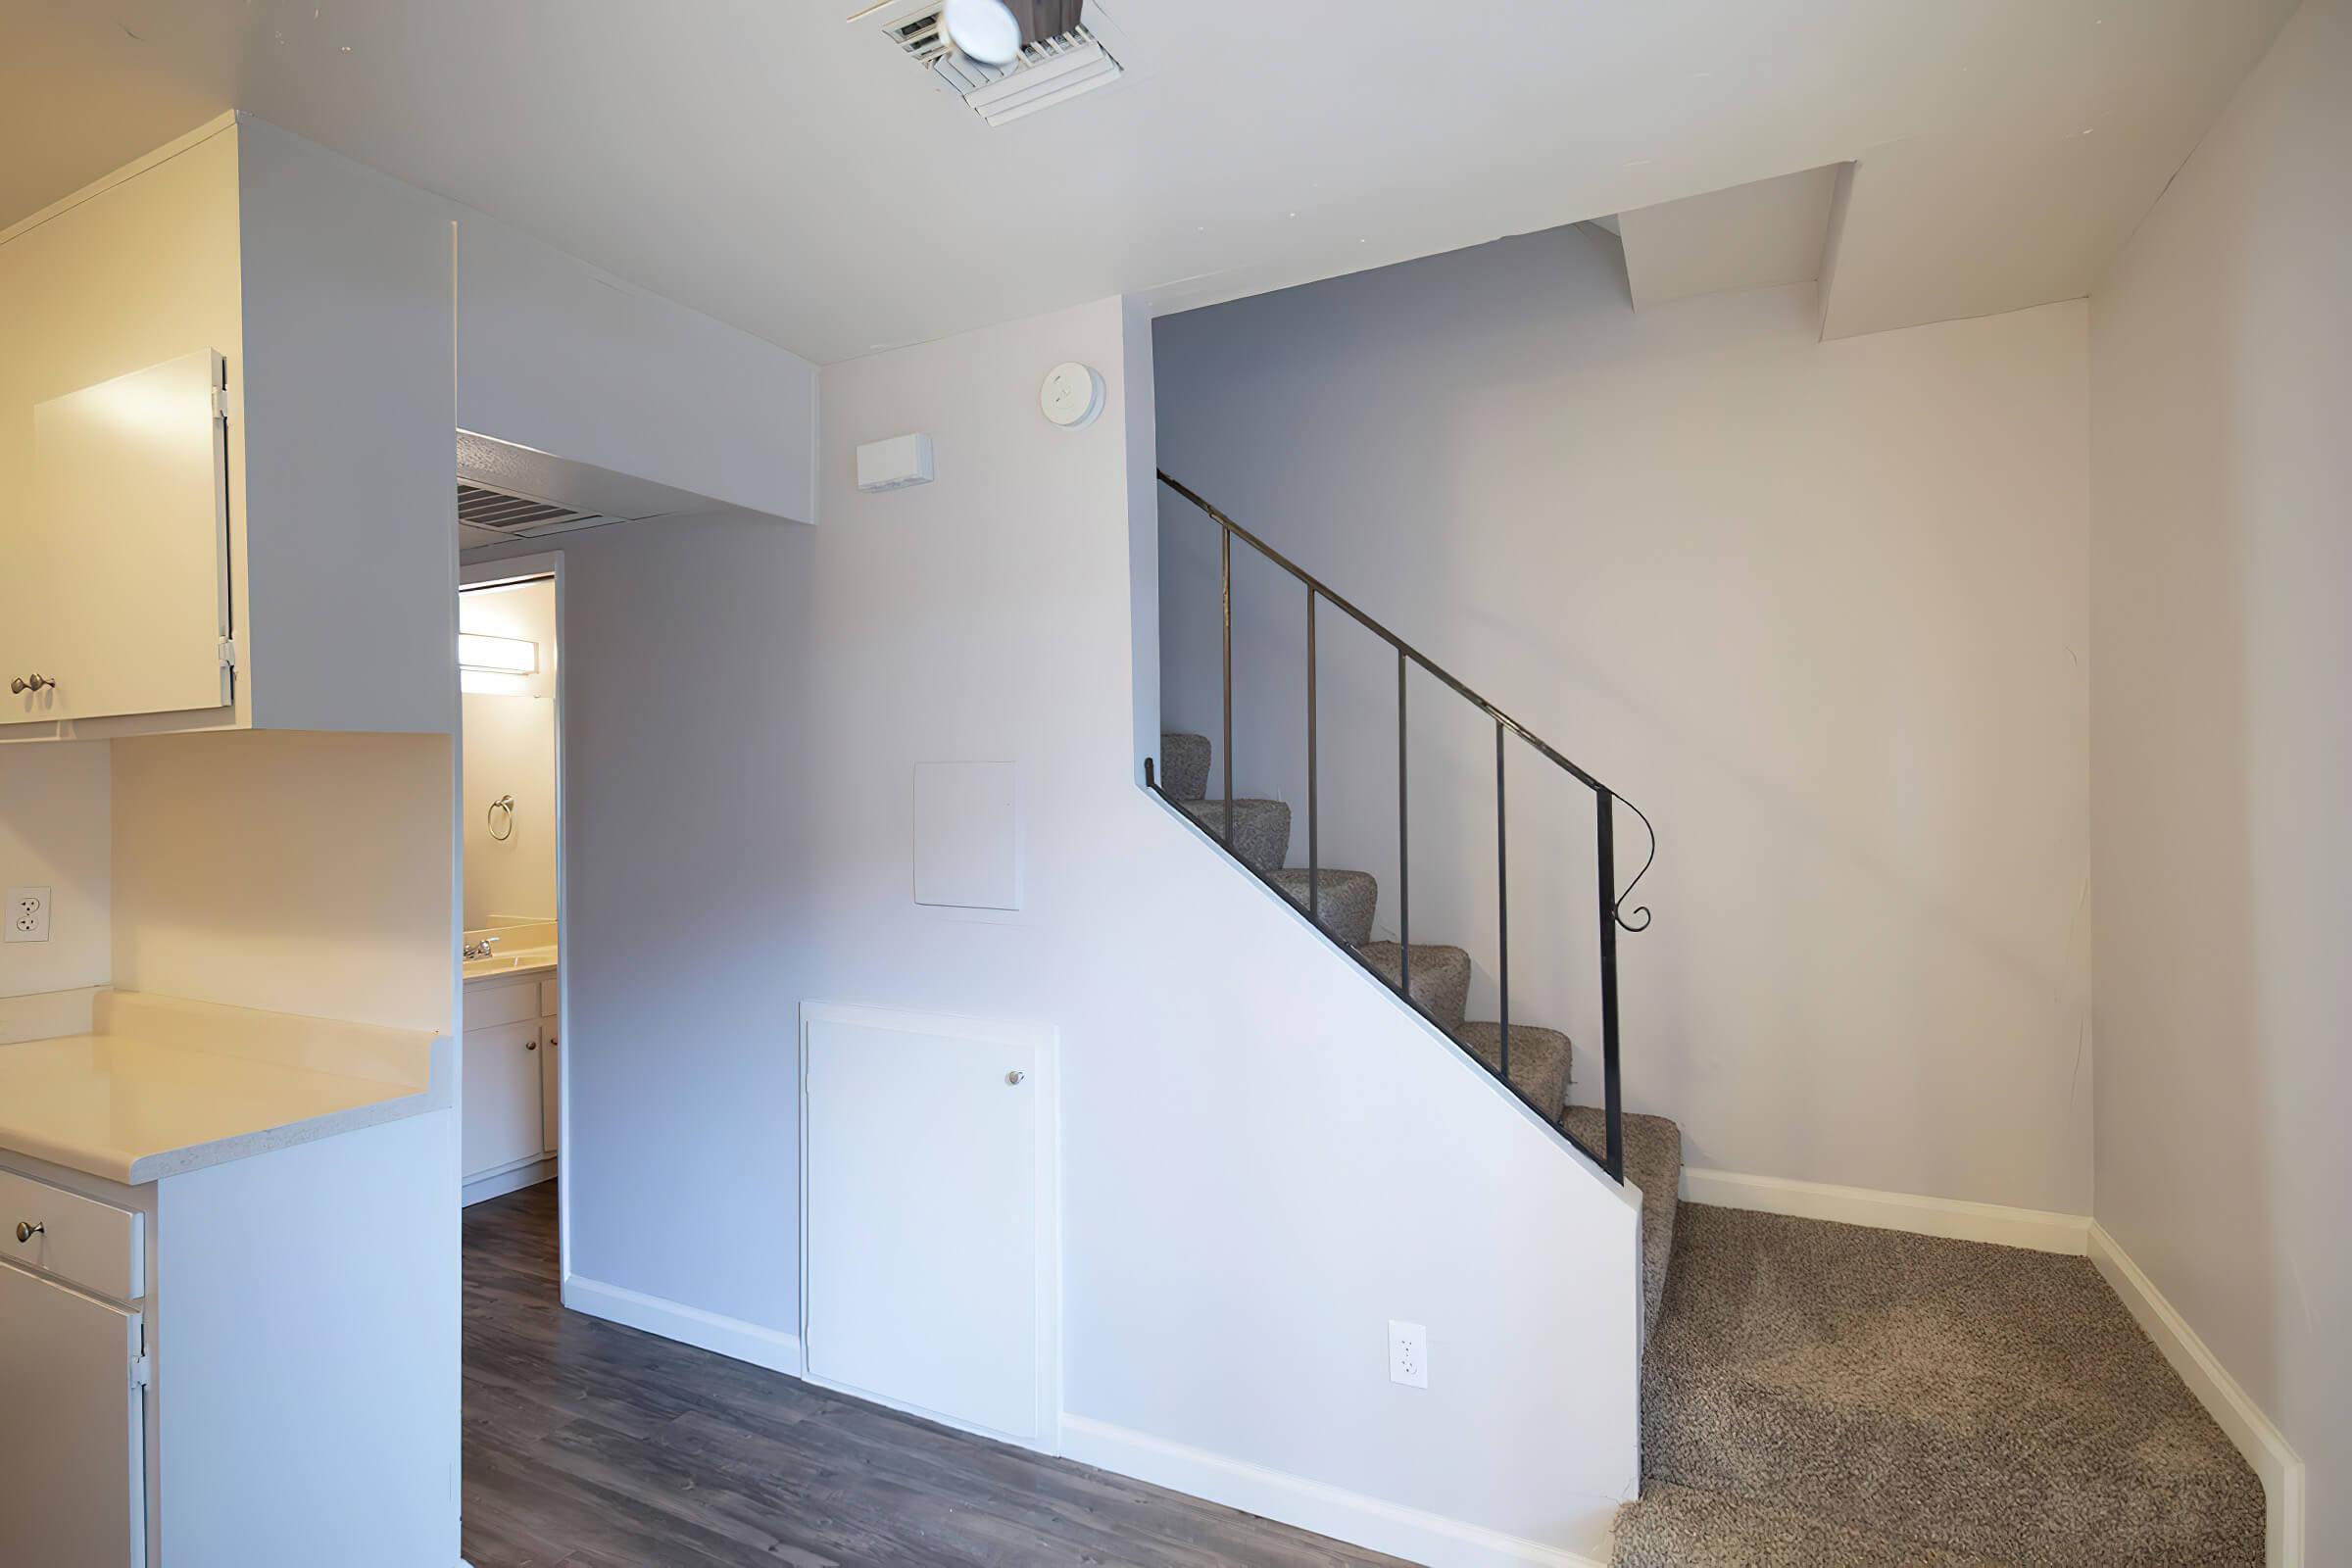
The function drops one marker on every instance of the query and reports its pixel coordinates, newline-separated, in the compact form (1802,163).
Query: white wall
(557,357)
(509,749)
(55,832)
(1818,609)
(1259,1150)
(2221,746)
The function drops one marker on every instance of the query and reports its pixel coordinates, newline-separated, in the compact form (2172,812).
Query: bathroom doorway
(510,672)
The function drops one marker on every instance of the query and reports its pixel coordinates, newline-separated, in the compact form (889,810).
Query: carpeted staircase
(1824,1395)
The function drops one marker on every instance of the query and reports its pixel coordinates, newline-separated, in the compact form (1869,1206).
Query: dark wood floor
(592,1446)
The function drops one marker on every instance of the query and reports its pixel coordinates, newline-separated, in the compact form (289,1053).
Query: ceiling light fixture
(985,30)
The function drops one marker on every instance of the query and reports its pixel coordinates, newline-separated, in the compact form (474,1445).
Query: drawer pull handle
(22,684)
(26,1230)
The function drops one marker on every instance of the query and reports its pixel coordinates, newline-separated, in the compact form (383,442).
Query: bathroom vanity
(512,1044)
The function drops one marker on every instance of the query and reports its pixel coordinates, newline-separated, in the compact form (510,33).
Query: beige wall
(509,749)
(1818,608)
(2221,746)
(54,833)
(290,872)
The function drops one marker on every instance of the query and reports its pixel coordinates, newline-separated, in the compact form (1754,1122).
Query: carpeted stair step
(1676,1526)
(1440,977)
(1261,829)
(1538,1061)
(1345,898)
(1972,1398)
(1184,764)
(1653,1163)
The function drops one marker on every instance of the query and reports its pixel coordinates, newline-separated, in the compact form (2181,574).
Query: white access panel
(967,835)
(124,567)
(73,1450)
(928,1201)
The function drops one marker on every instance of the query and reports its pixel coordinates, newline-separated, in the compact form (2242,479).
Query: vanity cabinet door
(501,1096)
(72,1445)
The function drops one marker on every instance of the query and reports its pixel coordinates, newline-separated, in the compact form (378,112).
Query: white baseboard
(2038,1230)
(1369,1522)
(772,1348)
(513,1179)
(2266,1449)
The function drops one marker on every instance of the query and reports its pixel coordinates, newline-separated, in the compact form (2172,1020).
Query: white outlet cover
(27,915)
(1409,1354)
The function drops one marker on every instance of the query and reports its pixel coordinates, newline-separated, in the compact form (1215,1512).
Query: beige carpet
(1674,1527)
(1982,1400)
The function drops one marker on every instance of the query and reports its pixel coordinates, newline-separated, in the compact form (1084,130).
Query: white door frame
(485,574)
(1046,1039)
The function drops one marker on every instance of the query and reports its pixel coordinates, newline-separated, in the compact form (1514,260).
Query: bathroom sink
(507,962)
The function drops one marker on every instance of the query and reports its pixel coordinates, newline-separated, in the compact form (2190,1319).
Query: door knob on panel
(26,1230)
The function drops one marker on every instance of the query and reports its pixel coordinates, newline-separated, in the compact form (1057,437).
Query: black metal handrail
(1612,903)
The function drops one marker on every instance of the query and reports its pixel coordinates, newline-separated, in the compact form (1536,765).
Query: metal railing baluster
(1315,862)
(1605,847)
(1503,918)
(1225,598)
(1405,875)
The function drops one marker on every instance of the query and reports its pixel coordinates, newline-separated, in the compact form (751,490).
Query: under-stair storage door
(927,1202)
(73,1449)
(120,559)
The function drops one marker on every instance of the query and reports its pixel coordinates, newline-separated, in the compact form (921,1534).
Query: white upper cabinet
(116,598)
(226,438)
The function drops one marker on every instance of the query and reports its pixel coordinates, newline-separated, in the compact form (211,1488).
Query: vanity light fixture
(502,655)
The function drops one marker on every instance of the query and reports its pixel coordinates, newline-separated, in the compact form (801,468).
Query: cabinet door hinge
(228,651)
(141,1372)
(221,403)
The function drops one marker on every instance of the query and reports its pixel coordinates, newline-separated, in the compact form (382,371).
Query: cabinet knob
(530,1045)
(1015,1078)
(26,1230)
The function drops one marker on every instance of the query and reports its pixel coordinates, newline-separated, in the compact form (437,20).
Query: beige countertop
(163,1086)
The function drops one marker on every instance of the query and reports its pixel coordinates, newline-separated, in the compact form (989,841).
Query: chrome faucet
(477,949)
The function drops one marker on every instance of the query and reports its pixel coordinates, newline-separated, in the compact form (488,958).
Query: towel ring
(504,804)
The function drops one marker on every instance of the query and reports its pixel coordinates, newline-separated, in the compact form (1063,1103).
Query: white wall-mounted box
(895,463)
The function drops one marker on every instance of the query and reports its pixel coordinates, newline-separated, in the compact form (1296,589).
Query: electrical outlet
(1409,1354)
(27,915)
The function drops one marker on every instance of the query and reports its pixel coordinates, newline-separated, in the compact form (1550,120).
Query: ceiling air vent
(1049,71)
(519,517)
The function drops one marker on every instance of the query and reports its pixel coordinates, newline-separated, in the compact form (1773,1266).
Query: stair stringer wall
(1331,1161)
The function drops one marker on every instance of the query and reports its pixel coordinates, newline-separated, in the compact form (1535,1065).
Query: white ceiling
(786,171)
(1763,234)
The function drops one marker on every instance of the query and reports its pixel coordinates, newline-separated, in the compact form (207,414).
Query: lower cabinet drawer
(80,1240)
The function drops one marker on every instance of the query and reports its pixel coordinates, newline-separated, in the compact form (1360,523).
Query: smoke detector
(1051,70)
